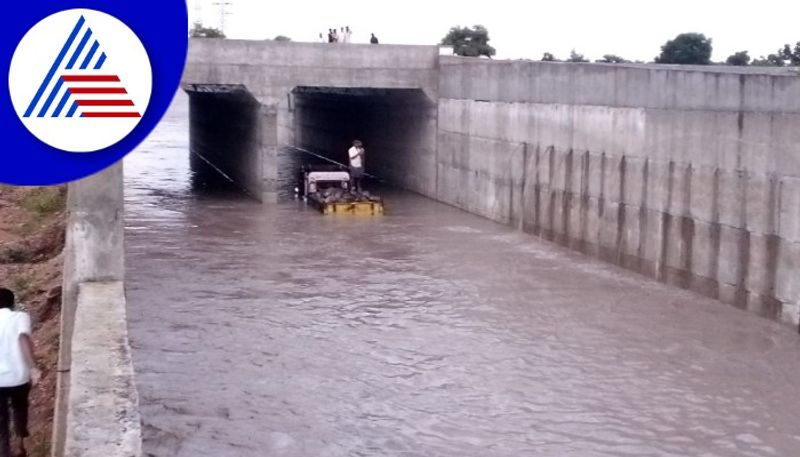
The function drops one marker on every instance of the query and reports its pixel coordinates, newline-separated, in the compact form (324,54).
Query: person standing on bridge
(374,39)
(17,373)
(356,156)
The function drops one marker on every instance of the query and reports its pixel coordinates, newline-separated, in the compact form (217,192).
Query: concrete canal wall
(97,405)
(690,175)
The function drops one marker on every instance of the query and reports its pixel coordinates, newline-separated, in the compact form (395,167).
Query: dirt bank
(31,244)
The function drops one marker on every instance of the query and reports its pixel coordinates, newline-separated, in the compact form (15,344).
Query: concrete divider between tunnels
(97,411)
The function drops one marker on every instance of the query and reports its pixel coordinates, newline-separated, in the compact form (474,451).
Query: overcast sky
(523,29)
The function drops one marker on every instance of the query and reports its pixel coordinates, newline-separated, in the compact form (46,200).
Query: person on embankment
(18,373)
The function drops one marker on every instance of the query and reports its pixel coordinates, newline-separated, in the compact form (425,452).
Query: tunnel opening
(225,140)
(236,141)
(396,126)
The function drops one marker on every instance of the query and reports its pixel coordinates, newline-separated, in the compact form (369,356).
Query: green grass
(14,255)
(21,287)
(38,447)
(43,201)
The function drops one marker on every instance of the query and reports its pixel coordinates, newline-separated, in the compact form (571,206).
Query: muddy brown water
(274,331)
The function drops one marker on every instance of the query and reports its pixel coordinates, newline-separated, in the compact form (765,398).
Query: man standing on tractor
(356,156)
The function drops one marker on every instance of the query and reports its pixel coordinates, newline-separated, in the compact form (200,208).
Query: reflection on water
(263,330)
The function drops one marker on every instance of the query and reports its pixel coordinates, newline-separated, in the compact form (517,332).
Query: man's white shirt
(14,370)
(355,157)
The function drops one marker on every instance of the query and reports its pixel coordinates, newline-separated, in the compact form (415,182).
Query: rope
(331,161)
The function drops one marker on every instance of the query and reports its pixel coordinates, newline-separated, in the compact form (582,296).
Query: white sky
(523,29)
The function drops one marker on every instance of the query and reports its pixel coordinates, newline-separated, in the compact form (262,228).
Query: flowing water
(270,330)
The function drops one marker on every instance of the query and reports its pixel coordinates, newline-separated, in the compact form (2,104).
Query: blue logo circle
(90,80)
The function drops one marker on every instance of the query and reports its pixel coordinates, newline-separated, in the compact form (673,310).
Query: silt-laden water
(270,330)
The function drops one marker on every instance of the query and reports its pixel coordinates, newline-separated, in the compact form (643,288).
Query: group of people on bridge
(342,35)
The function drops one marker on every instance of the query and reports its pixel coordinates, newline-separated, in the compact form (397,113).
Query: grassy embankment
(31,244)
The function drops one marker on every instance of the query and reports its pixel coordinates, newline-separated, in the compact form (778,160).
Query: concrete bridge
(689,175)
(686,174)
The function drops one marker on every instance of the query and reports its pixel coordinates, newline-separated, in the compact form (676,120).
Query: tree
(740,58)
(789,55)
(612,58)
(575,57)
(282,38)
(547,57)
(198,31)
(687,49)
(772,60)
(469,42)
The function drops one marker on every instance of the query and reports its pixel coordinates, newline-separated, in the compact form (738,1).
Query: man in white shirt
(17,373)
(356,156)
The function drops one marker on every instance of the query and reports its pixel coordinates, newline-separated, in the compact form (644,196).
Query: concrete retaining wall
(97,402)
(687,174)
(103,406)
(691,176)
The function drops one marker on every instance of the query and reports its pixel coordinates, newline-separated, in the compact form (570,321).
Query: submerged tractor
(328,189)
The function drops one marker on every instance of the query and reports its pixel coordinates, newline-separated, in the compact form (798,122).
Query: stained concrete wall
(270,70)
(689,175)
(103,407)
(97,402)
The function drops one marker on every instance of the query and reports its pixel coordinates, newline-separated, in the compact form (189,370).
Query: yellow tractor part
(353,208)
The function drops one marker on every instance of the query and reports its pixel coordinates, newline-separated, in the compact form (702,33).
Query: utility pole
(198,11)
(222,4)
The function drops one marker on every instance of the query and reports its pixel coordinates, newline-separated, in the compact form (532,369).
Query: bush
(44,201)
(22,287)
(14,255)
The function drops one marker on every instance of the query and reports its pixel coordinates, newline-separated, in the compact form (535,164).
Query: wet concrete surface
(274,331)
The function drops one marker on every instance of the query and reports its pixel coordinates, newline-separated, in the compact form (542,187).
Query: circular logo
(97,105)
(80,80)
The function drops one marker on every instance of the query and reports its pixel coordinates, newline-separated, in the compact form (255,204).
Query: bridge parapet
(270,70)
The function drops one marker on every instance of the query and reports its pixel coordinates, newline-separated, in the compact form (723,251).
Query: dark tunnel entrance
(225,136)
(238,142)
(397,127)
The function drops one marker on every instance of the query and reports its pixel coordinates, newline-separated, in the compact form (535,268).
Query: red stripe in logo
(90,78)
(104,102)
(119,114)
(98,90)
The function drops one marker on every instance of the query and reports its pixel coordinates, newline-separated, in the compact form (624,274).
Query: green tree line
(684,49)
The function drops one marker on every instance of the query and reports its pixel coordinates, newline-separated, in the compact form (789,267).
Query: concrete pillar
(267,152)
